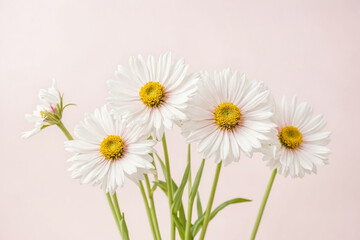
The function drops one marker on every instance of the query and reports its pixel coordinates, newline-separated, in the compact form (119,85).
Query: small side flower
(48,112)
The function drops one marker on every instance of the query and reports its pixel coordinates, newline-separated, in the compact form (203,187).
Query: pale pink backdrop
(309,48)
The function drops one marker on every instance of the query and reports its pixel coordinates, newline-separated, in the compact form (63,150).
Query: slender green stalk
(169,186)
(153,162)
(116,205)
(189,163)
(121,218)
(210,202)
(117,220)
(65,131)
(152,209)
(263,204)
(141,186)
(188,219)
(190,200)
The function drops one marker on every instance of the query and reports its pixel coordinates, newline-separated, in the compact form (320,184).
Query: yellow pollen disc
(152,94)
(290,137)
(112,147)
(227,116)
(42,114)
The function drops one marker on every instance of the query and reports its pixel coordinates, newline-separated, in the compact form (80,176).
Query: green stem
(263,204)
(190,200)
(169,186)
(152,209)
(210,202)
(121,219)
(189,163)
(113,212)
(141,186)
(65,131)
(188,220)
(116,205)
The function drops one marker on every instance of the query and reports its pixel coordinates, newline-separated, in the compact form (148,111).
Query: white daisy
(299,144)
(155,93)
(229,114)
(47,112)
(107,150)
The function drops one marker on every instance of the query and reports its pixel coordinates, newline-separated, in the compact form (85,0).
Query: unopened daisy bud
(48,112)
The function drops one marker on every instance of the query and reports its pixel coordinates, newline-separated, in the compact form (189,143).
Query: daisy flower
(48,112)
(299,144)
(106,150)
(228,115)
(155,93)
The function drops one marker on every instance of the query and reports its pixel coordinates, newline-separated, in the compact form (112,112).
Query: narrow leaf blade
(198,205)
(124,229)
(179,226)
(179,192)
(197,225)
(196,183)
(162,185)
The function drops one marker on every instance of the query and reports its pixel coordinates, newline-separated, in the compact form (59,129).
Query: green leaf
(124,230)
(198,224)
(70,104)
(44,126)
(179,226)
(198,205)
(196,183)
(163,168)
(154,172)
(179,192)
(182,217)
(162,185)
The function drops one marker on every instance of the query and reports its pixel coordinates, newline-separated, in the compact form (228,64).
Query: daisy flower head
(152,92)
(299,143)
(48,112)
(228,115)
(107,149)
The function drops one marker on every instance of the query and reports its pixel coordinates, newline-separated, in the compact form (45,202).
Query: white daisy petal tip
(139,175)
(299,144)
(26,135)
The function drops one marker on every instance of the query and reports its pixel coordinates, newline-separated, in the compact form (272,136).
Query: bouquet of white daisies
(225,113)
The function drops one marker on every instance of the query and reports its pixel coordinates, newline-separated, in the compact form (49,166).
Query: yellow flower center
(45,113)
(227,116)
(42,114)
(112,147)
(290,137)
(152,94)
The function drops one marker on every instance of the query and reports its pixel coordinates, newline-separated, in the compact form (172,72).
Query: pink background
(308,48)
